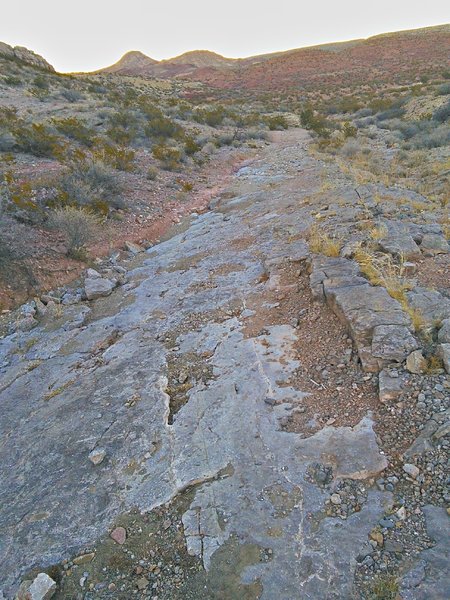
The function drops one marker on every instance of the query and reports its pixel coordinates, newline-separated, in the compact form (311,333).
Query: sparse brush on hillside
(90,184)
(78,226)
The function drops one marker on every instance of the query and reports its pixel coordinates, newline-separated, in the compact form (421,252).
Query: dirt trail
(196,390)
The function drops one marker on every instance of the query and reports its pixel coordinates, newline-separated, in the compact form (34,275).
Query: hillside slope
(399,56)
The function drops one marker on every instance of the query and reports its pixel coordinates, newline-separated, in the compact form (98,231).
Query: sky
(84,35)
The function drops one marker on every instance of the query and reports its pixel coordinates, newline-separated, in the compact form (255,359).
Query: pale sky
(84,35)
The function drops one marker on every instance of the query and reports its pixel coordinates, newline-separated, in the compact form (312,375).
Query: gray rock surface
(99,377)
(430,577)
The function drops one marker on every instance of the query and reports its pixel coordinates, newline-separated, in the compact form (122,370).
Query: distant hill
(399,56)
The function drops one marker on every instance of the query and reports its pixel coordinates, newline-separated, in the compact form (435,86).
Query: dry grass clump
(382,269)
(378,232)
(320,242)
(78,226)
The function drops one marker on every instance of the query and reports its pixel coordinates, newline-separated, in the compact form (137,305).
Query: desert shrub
(78,226)
(349,130)
(444,89)
(75,129)
(169,157)
(391,113)
(36,139)
(162,128)
(276,122)
(351,148)
(90,184)
(123,127)
(315,122)
(72,95)
(12,80)
(191,146)
(117,157)
(435,138)
(152,173)
(442,113)
(210,116)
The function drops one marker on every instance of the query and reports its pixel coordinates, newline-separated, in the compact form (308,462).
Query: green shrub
(117,157)
(210,116)
(315,122)
(349,130)
(162,128)
(75,129)
(191,146)
(170,158)
(276,122)
(123,127)
(37,139)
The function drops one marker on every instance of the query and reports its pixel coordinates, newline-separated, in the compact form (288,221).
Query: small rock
(377,536)
(411,470)
(41,588)
(97,456)
(443,352)
(134,248)
(142,583)
(416,363)
(92,274)
(98,287)
(335,499)
(119,535)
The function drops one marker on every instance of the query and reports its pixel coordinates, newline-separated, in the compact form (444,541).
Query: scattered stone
(411,470)
(92,274)
(134,248)
(41,588)
(84,558)
(142,583)
(119,535)
(390,388)
(335,499)
(97,456)
(98,287)
(416,363)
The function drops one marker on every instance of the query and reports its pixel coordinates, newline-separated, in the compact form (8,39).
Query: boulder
(431,305)
(444,353)
(393,342)
(97,287)
(433,243)
(444,332)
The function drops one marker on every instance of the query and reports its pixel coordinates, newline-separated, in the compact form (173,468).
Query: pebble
(119,535)
(411,470)
(97,456)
